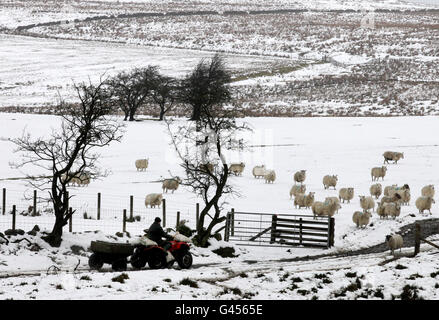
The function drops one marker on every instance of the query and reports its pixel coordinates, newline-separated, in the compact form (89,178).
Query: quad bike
(156,256)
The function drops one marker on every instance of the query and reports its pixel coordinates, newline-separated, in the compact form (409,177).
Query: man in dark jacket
(156,233)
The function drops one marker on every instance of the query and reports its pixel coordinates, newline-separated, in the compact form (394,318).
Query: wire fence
(92,212)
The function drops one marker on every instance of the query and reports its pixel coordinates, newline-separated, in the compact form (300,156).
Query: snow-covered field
(348,147)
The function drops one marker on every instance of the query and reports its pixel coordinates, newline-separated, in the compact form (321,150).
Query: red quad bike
(155,255)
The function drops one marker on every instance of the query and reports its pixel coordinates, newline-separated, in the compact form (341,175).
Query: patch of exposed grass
(189,282)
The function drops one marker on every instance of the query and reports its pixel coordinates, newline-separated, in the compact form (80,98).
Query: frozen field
(348,147)
(35,72)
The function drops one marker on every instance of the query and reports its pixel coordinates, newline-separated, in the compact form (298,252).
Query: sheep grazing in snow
(392,209)
(381,212)
(333,200)
(270,176)
(392,156)
(376,190)
(153,200)
(346,194)
(424,203)
(394,242)
(361,219)
(296,189)
(324,209)
(388,188)
(142,164)
(403,193)
(171,184)
(428,191)
(367,203)
(237,168)
(330,181)
(300,176)
(395,198)
(259,171)
(304,201)
(378,172)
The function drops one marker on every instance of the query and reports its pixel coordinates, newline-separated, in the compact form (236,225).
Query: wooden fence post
(124,224)
(233,222)
(331,232)
(273,228)
(227,228)
(178,219)
(70,219)
(99,206)
(131,208)
(164,212)
(35,203)
(417,238)
(197,214)
(4,201)
(14,212)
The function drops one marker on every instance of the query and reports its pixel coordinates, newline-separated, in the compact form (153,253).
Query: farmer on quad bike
(156,233)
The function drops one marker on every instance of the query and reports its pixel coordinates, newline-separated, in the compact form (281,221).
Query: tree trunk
(196,113)
(162,114)
(55,237)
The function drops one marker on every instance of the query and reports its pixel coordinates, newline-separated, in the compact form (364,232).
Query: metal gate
(265,229)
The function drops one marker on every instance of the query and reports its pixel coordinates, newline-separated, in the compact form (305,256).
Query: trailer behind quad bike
(115,254)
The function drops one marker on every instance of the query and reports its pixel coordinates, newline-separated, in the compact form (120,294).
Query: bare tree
(164,94)
(201,148)
(69,152)
(206,86)
(131,89)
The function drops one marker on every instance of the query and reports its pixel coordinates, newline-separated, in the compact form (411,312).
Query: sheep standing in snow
(381,212)
(304,201)
(361,219)
(378,172)
(237,168)
(346,194)
(333,200)
(153,200)
(403,193)
(388,188)
(300,176)
(324,209)
(392,209)
(171,184)
(259,171)
(296,189)
(367,203)
(395,198)
(330,181)
(424,203)
(392,156)
(428,191)
(270,176)
(376,190)
(394,242)
(141,164)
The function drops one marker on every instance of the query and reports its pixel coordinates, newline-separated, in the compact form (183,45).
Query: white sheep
(392,209)
(424,203)
(237,168)
(296,189)
(367,203)
(388,188)
(381,212)
(259,171)
(378,172)
(376,190)
(270,176)
(394,242)
(304,201)
(330,181)
(300,176)
(346,194)
(361,219)
(333,200)
(324,209)
(153,200)
(392,156)
(171,184)
(428,191)
(142,164)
